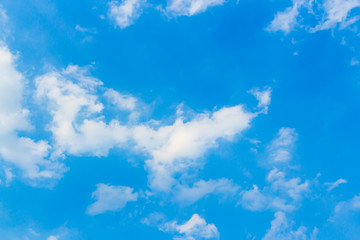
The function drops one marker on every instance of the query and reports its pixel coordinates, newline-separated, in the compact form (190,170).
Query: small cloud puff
(110,198)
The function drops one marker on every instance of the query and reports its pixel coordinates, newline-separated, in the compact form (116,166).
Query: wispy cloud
(110,198)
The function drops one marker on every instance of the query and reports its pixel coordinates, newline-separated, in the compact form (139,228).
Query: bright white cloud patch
(189,195)
(195,228)
(110,198)
(190,7)
(176,148)
(126,12)
(26,154)
(78,126)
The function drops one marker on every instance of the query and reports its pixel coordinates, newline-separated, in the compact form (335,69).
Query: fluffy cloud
(281,194)
(126,12)
(195,228)
(77,125)
(264,97)
(110,198)
(190,7)
(292,188)
(189,195)
(254,199)
(281,229)
(26,154)
(286,21)
(124,102)
(176,148)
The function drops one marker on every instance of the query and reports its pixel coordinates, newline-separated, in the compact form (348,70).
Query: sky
(179,119)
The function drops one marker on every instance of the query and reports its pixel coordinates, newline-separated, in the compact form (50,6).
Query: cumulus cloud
(78,126)
(26,154)
(189,195)
(281,229)
(126,12)
(190,7)
(195,228)
(176,148)
(110,198)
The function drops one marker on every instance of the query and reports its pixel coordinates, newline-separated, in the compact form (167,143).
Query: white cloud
(292,188)
(84,30)
(195,228)
(110,198)
(26,154)
(349,206)
(77,126)
(264,97)
(126,12)
(189,195)
(254,199)
(124,102)
(3,23)
(287,20)
(176,148)
(280,150)
(337,11)
(190,7)
(281,229)
(281,194)
(335,184)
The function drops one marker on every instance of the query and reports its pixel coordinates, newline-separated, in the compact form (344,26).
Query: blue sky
(179,119)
